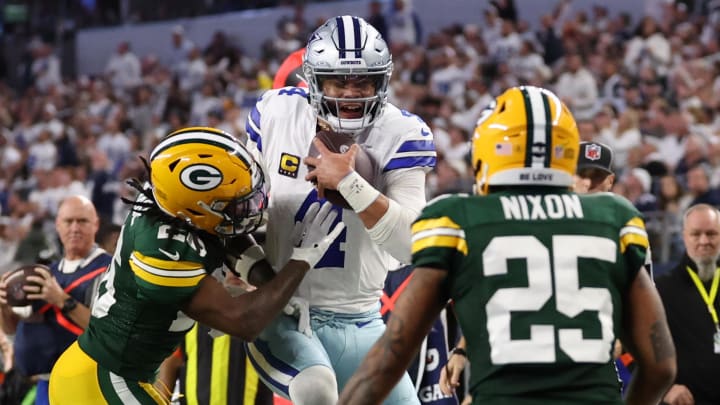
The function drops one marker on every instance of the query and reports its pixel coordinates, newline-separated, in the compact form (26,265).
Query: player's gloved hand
(312,236)
(300,308)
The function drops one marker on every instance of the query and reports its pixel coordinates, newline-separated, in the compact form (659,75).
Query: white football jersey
(351,275)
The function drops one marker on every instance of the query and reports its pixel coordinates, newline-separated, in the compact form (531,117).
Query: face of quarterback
(349,87)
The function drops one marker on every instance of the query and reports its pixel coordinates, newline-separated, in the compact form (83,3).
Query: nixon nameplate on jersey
(534,207)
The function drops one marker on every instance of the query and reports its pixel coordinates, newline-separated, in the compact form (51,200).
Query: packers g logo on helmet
(527,136)
(209,180)
(201,177)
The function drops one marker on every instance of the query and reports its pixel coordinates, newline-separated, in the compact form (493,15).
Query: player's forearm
(392,232)
(262,305)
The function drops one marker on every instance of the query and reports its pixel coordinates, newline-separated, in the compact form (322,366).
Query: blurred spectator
(588,131)
(42,154)
(45,68)
(696,152)
(648,47)
(123,69)
(670,194)
(447,78)
(204,102)
(285,42)
(549,40)
(376,18)
(507,45)
(637,183)
(699,190)
(491,26)
(180,47)
(450,176)
(577,88)
(10,235)
(220,53)
(108,235)
(505,9)
(191,73)
(142,110)
(404,27)
(10,160)
(623,138)
(611,83)
(528,65)
(114,144)
(103,185)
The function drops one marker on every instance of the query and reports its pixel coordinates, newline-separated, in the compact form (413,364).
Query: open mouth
(351,110)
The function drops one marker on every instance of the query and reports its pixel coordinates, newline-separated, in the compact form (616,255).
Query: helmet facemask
(352,114)
(240,215)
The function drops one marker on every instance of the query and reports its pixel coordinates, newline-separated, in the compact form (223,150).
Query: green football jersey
(538,282)
(136,319)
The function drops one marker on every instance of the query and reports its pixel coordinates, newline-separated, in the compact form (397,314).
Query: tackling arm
(247,260)
(248,314)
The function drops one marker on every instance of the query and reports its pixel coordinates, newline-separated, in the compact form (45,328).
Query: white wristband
(247,259)
(357,191)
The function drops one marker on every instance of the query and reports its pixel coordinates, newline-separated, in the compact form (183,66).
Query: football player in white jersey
(347,65)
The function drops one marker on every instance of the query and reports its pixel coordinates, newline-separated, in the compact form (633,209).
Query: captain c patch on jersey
(289,165)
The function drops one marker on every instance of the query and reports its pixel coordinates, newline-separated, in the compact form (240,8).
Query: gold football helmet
(209,180)
(527,136)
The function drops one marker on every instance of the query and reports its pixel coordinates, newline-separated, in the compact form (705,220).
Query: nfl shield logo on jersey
(593,152)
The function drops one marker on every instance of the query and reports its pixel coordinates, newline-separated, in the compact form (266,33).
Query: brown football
(16,280)
(337,142)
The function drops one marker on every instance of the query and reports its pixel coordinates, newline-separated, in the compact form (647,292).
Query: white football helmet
(347,46)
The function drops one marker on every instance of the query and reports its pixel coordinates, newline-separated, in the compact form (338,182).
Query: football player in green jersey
(205,195)
(543,280)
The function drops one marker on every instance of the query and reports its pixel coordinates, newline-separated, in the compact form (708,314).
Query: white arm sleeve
(406,192)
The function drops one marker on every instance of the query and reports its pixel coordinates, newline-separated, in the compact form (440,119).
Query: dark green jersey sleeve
(438,241)
(633,237)
(168,265)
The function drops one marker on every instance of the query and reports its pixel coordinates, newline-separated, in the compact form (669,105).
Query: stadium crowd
(649,89)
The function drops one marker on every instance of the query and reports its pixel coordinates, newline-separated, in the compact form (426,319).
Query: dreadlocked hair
(148,207)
